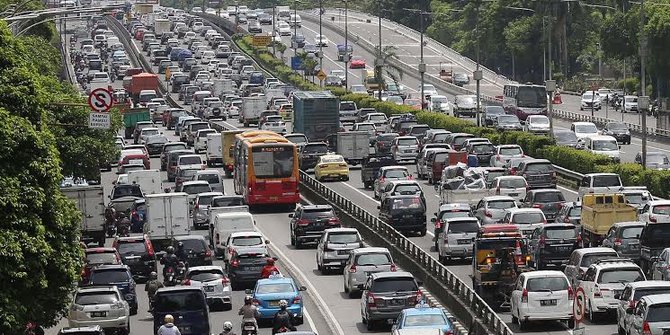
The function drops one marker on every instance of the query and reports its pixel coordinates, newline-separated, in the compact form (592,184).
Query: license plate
(397,302)
(253,268)
(565,248)
(273,303)
(408,216)
(634,247)
(513,194)
(135,161)
(551,302)
(409,151)
(209,288)
(464,241)
(98,314)
(343,252)
(249,327)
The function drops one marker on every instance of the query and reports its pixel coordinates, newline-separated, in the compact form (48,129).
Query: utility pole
(478,73)
(320,37)
(274,30)
(643,99)
(378,62)
(422,65)
(295,28)
(346,45)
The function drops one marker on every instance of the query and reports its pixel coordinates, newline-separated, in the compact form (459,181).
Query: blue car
(422,317)
(118,275)
(268,292)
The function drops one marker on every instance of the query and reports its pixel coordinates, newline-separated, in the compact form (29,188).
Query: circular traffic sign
(579,306)
(100,100)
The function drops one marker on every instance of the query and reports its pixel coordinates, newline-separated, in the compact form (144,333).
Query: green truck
(131,117)
(316,114)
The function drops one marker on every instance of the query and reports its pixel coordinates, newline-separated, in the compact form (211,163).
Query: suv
(571,212)
(201,206)
(581,259)
(456,238)
(624,237)
(604,280)
(245,267)
(167,149)
(405,213)
(138,254)
(86,330)
(187,304)
(361,263)
(653,239)
(119,276)
(492,209)
(101,306)
(539,173)
(449,211)
(172,159)
(599,183)
(309,222)
(552,244)
(334,247)
(388,174)
(386,294)
(632,294)
(650,316)
(310,153)
(542,296)
(98,256)
(195,250)
(550,201)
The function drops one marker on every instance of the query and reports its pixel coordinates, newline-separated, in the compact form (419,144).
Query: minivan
(226,223)
(213,177)
(188,306)
(456,238)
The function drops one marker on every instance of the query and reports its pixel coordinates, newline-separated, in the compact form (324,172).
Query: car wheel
(422,232)
(300,320)
(523,325)
(620,331)
(127,330)
(571,323)
(346,289)
(298,244)
(292,240)
(370,325)
(592,316)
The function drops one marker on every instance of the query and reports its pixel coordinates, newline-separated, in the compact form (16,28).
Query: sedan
(333,167)
(213,281)
(321,40)
(508,122)
(268,292)
(357,62)
(618,130)
(255,27)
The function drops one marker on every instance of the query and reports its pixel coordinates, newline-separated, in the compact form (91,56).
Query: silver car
(201,208)
(651,316)
(457,238)
(334,247)
(405,148)
(512,186)
(402,187)
(388,174)
(624,237)
(503,153)
(632,293)
(214,283)
(361,263)
(661,268)
(493,209)
(99,305)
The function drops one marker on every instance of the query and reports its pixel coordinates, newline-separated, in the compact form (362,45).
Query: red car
(357,62)
(414,103)
(98,256)
(135,159)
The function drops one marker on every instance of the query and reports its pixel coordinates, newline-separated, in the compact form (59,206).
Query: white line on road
(309,321)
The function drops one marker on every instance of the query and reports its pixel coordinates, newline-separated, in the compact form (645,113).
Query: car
(361,263)
(650,315)
(465,105)
(508,122)
(525,219)
(631,295)
(581,259)
(590,100)
(539,173)
(653,240)
(387,174)
(184,175)
(448,211)
(284,29)
(321,41)
(155,144)
(383,142)
(405,148)
(422,318)
(492,209)
(456,238)
(98,256)
(278,127)
(201,207)
(379,288)
(405,213)
(603,145)
(483,151)
(268,292)
(85,330)
(227,201)
(512,186)
(360,89)
(549,201)
(504,152)
(243,240)
(624,237)
(584,129)
(187,304)
(102,306)
(196,250)
(200,139)
(357,62)
(537,124)
(605,279)
(333,81)
(193,188)
(656,160)
(308,223)
(245,266)
(542,296)
(137,253)
(298,39)
(491,113)
(334,247)
(552,244)
(331,166)
(213,281)
(656,211)
(254,27)
(571,212)
(297,138)
(402,187)
(309,154)
(630,104)
(566,138)
(618,130)
(660,268)
(118,275)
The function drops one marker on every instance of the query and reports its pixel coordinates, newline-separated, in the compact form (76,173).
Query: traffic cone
(518,257)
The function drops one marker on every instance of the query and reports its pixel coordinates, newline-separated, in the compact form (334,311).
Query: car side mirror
(290,215)
(629,310)
(302,288)
(167,190)
(109,196)
(267,241)
(617,296)
(655,258)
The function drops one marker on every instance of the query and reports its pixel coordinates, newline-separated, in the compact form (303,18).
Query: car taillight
(597,293)
(187,282)
(302,222)
(438,224)
(381,180)
(524,295)
(208,253)
(235,263)
(543,241)
(333,221)
(571,294)
(652,218)
(196,206)
(371,299)
(323,166)
(538,205)
(394,267)
(225,281)
(296,300)
(618,242)
(512,171)
(646,330)
(352,269)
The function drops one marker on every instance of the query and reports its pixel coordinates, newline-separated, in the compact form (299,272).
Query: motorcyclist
(170,260)
(151,287)
(181,252)
(227,328)
(269,268)
(123,225)
(249,312)
(283,319)
(110,217)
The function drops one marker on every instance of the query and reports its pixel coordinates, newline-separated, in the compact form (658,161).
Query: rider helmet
(227,326)
(169,318)
(248,300)
(153,275)
(283,304)
(170,250)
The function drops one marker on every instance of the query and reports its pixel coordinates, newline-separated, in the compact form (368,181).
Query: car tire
(620,331)
(346,289)
(299,320)
(523,325)
(370,325)
(571,323)
(422,232)
(592,316)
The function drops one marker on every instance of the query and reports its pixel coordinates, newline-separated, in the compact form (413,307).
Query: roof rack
(613,260)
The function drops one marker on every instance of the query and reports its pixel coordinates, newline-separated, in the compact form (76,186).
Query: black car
(405,213)
(383,142)
(308,223)
(255,27)
(565,137)
(508,122)
(618,130)
(119,276)
(245,267)
(653,239)
(195,250)
(155,144)
(138,254)
(310,153)
(552,244)
(167,148)
(265,19)
(491,114)
(549,200)
(483,152)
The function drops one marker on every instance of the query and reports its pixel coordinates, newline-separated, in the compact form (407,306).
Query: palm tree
(394,73)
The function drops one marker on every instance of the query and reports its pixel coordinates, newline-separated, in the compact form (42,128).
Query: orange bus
(266,170)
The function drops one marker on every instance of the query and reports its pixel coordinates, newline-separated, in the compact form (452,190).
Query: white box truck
(223,85)
(225,224)
(354,146)
(214,152)
(167,215)
(90,200)
(251,110)
(150,181)
(161,26)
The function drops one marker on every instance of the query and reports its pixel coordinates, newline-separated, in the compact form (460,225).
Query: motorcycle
(249,328)
(124,230)
(170,277)
(181,271)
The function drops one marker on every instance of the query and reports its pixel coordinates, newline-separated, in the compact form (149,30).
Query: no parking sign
(579,308)
(100,100)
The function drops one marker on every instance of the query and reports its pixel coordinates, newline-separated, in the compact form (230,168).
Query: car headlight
(129,296)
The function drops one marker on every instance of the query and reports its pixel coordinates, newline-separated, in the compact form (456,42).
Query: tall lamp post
(346,44)
(643,99)
(321,38)
(378,62)
(295,27)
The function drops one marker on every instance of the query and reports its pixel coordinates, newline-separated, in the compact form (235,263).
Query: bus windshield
(273,161)
(531,96)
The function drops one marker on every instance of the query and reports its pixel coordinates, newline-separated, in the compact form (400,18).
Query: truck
(223,85)
(500,256)
(354,146)
(90,200)
(161,26)
(599,212)
(283,13)
(214,153)
(141,82)
(447,75)
(131,117)
(251,110)
(316,114)
(227,142)
(167,216)
(150,181)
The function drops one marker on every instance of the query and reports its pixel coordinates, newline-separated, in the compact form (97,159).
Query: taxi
(422,319)
(331,166)
(268,292)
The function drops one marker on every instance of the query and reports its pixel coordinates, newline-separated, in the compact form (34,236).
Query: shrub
(572,159)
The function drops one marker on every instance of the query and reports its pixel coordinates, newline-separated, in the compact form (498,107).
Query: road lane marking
(309,320)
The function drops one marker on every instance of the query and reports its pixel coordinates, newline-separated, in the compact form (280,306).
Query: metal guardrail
(461,300)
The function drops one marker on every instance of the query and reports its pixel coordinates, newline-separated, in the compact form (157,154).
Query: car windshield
(394,285)
(131,248)
(365,127)
(407,141)
(589,259)
(465,100)
(549,197)
(377,117)
(560,233)
(96,298)
(539,120)
(375,259)
(246,241)
(196,245)
(501,204)
(494,110)
(539,167)
(190,160)
(605,146)
(617,126)
(187,174)
(101,258)
(631,232)
(506,119)
(454,213)
(297,139)
(227,201)
(463,226)
(196,188)
(512,183)
(407,189)
(343,238)
(275,288)
(127,191)
(204,133)
(606,180)
(396,173)
(205,275)
(586,129)
(483,148)
(212,178)
(318,214)
(440,137)
(179,301)
(658,313)
(103,277)
(643,292)
(611,276)
(527,218)
(510,151)
(547,284)
(657,234)
(423,320)
(315,148)
(565,136)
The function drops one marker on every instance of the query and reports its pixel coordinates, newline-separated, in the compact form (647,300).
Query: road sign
(579,306)
(99,120)
(321,75)
(261,40)
(100,100)
(296,63)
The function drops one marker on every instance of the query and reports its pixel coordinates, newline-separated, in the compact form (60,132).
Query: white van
(604,145)
(213,177)
(150,181)
(214,152)
(225,224)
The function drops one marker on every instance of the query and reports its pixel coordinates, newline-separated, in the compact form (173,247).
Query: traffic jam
(204,227)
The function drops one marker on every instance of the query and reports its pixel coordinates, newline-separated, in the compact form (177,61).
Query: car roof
(407,182)
(370,250)
(179,288)
(629,224)
(648,283)
(657,298)
(134,238)
(423,311)
(497,197)
(100,250)
(189,237)
(390,274)
(209,194)
(246,233)
(97,288)
(594,250)
(545,190)
(83,330)
(451,206)
(340,230)
(394,167)
(111,267)
(204,268)
(544,273)
(523,210)
(195,182)
(275,279)
(581,123)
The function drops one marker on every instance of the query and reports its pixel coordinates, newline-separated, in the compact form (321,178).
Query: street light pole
(643,88)
(478,73)
(346,44)
(321,38)
(378,65)
(295,28)
(422,65)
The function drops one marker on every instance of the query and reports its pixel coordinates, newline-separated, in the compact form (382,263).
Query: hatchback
(101,305)
(268,292)
(541,296)
(334,247)
(119,276)
(361,263)
(511,186)
(137,252)
(550,201)
(244,240)
(456,238)
(245,267)
(581,259)
(213,281)
(552,244)
(503,153)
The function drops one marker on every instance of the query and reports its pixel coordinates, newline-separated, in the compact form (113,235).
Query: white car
(428,90)
(630,104)
(590,99)
(189,36)
(283,28)
(504,152)
(321,40)
(584,129)
(511,186)
(541,296)
(440,103)
(526,219)
(631,294)
(213,281)
(213,64)
(537,124)
(197,26)
(206,57)
(200,142)
(244,240)
(657,211)
(99,305)
(278,127)
(146,132)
